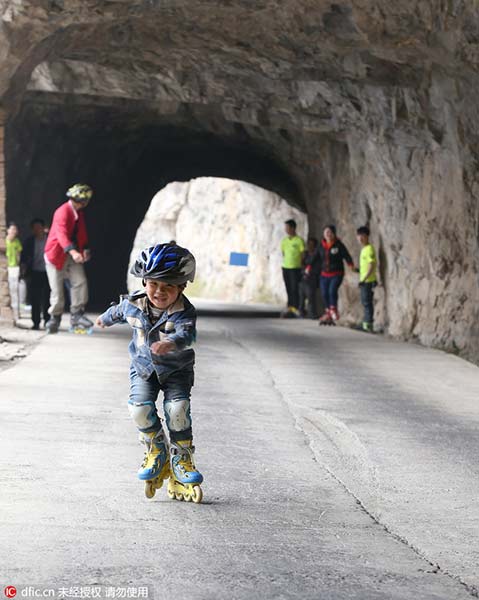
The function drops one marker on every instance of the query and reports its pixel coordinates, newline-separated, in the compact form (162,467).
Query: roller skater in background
(164,327)
(333,254)
(66,250)
(292,248)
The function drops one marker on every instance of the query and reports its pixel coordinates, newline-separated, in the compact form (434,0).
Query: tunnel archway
(233,228)
(126,159)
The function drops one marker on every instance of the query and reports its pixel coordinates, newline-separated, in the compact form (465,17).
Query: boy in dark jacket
(164,327)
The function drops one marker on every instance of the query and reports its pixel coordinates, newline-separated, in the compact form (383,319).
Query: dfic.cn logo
(10,591)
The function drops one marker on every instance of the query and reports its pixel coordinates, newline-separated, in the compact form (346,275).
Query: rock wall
(213,217)
(417,187)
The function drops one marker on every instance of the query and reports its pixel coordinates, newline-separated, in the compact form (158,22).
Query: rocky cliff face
(213,217)
(357,111)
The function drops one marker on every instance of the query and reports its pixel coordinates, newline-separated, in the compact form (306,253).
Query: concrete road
(337,465)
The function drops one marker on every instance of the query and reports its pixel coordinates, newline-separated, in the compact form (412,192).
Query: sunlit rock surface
(214,217)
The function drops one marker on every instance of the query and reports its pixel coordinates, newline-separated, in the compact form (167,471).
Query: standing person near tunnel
(333,255)
(310,279)
(66,250)
(292,248)
(13,247)
(34,272)
(367,277)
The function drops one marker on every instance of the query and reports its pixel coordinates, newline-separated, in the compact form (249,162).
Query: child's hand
(163,347)
(99,323)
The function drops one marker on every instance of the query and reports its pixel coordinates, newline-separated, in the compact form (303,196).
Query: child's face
(329,235)
(162,294)
(363,239)
(289,230)
(12,231)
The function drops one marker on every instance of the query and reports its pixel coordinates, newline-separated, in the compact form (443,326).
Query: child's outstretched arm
(184,335)
(185,332)
(115,314)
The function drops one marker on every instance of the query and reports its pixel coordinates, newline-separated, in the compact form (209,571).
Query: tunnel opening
(233,228)
(126,152)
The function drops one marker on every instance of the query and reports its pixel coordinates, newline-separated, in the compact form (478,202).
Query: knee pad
(177,413)
(143,413)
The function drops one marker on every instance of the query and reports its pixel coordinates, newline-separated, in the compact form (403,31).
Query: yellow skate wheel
(178,496)
(197,494)
(171,495)
(188,496)
(150,489)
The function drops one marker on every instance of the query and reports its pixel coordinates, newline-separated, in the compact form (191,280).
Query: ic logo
(10,591)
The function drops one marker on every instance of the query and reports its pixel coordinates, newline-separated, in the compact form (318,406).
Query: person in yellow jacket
(292,248)
(367,277)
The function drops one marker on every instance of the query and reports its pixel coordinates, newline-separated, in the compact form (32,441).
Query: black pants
(307,293)
(39,292)
(292,277)
(367,300)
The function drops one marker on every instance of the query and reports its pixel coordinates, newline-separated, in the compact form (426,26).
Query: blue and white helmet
(166,262)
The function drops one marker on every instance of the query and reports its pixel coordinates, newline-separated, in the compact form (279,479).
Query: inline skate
(185,479)
(81,324)
(327,318)
(156,464)
(53,324)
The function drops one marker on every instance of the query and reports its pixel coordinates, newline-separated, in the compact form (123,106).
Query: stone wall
(213,217)
(5,309)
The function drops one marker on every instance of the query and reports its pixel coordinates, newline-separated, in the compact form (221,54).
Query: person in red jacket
(66,250)
(333,255)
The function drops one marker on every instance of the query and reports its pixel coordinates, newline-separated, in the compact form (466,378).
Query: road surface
(337,465)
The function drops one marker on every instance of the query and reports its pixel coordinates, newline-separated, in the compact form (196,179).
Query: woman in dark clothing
(310,279)
(333,255)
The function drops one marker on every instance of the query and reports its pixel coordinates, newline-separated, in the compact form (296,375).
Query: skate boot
(334,312)
(290,312)
(53,324)
(325,319)
(79,323)
(156,464)
(184,483)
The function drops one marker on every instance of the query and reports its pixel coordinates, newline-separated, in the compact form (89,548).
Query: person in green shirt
(367,277)
(13,252)
(292,248)
(14,246)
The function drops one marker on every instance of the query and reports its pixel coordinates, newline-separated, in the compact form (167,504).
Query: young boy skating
(164,327)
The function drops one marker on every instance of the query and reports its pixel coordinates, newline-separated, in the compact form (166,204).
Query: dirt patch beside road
(16,343)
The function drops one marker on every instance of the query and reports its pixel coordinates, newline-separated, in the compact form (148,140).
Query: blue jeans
(176,403)
(329,289)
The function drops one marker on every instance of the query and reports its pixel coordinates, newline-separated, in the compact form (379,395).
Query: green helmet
(80,192)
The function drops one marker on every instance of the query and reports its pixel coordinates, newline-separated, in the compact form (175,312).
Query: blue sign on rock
(239,259)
